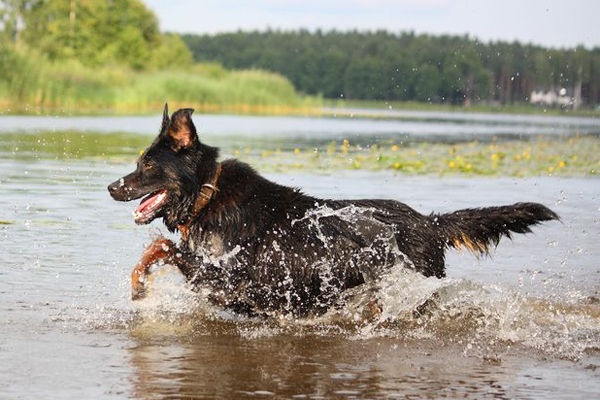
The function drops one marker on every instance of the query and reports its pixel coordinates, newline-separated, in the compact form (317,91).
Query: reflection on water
(523,324)
(332,367)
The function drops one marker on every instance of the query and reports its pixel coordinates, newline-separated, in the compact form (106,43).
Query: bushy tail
(478,229)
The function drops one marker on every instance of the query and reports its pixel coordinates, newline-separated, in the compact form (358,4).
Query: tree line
(355,65)
(406,66)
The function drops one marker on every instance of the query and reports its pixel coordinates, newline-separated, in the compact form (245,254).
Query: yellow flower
(345,146)
(561,164)
(395,148)
(517,157)
(468,167)
(452,164)
(141,152)
(495,157)
(397,165)
(296,151)
(550,168)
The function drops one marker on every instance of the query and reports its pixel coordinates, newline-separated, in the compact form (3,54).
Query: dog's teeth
(150,206)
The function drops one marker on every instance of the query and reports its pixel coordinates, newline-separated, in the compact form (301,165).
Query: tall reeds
(31,83)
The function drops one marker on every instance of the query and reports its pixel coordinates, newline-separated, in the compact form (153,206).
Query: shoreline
(328,108)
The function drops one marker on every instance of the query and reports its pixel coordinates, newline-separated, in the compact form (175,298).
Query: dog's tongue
(149,205)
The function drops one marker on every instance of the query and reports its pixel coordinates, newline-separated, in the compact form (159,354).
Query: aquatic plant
(564,157)
(576,156)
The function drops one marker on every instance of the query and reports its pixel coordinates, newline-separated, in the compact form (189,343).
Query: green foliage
(363,79)
(201,87)
(109,55)
(170,53)
(32,81)
(213,70)
(384,66)
(94,32)
(427,83)
(10,16)
(19,72)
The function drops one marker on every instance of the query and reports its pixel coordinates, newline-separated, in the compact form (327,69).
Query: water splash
(394,302)
(462,312)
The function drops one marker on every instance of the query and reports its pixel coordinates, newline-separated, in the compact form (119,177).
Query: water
(523,324)
(406,125)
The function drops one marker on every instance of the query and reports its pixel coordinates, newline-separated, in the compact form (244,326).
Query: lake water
(523,324)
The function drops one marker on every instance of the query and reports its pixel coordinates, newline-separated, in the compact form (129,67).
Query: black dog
(261,247)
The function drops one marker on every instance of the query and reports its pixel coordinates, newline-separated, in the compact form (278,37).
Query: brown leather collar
(205,195)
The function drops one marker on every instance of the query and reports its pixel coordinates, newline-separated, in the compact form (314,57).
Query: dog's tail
(477,229)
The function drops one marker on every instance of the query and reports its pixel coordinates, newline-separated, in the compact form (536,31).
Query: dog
(261,247)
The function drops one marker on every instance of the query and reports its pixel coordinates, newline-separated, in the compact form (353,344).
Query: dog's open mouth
(150,206)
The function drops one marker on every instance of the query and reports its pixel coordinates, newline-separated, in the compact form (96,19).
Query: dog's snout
(118,190)
(115,186)
(127,188)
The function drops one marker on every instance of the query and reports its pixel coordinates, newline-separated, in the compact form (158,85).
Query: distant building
(551,98)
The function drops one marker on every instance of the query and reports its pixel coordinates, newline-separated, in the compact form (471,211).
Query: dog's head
(169,173)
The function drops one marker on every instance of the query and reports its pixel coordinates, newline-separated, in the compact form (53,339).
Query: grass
(30,84)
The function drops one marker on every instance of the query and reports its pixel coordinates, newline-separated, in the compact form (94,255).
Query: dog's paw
(138,293)
(138,284)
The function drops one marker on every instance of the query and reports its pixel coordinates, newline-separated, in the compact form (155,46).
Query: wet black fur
(278,253)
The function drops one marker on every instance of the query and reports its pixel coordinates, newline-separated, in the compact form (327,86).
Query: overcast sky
(548,22)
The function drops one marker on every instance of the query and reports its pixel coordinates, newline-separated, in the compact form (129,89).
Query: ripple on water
(479,319)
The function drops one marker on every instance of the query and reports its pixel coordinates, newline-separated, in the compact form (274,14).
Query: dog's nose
(112,188)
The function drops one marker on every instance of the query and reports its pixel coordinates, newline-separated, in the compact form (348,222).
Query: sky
(547,22)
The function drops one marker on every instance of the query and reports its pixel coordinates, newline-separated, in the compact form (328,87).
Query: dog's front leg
(160,249)
(189,264)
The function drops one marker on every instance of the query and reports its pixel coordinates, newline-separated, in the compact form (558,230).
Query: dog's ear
(165,120)
(182,129)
